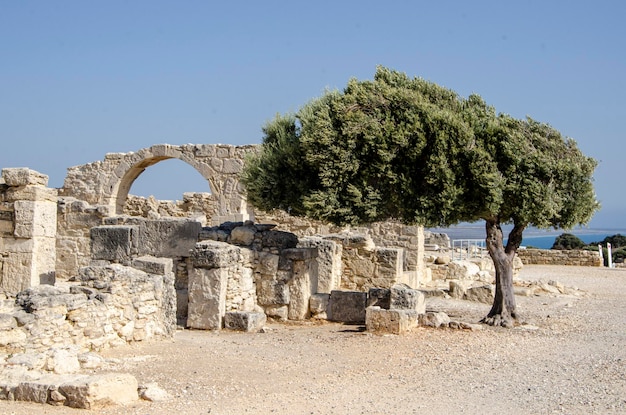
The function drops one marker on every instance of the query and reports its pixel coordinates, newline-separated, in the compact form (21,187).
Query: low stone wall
(109,305)
(560,257)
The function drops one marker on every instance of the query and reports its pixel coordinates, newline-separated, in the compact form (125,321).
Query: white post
(601,251)
(609,255)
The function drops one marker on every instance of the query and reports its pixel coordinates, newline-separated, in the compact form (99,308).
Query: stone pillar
(212,263)
(27,230)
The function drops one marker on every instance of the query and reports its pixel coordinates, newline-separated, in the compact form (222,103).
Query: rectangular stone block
(318,303)
(347,306)
(152,265)
(328,262)
(23,176)
(390,321)
(211,254)
(114,243)
(89,392)
(168,237)
(244,321)
(272,292)
(207,298)
(406,298)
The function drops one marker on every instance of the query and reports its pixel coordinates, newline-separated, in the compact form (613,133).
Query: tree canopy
(411,150)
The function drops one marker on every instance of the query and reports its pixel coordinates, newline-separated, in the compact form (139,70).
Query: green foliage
(568,241)
(619,255)
(408,149)
(616,241)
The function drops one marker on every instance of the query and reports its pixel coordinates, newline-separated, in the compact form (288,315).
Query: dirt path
(570,358)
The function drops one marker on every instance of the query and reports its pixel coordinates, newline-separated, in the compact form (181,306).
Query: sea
(532,237)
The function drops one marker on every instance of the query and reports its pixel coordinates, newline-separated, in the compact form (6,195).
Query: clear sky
(79,79)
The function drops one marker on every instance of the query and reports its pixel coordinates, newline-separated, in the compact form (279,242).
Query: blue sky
(81,79)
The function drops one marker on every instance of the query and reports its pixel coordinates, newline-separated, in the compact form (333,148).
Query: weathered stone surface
(244,321)
(207,298)
(442,260)
(115,243)
(318,304)
(301,286)
(462,270)
(390,321)
(458,288)
(347,306)
(434,319)
(212,254)
(22,176)
(153,393)
(406,298)
(272,292)
(243,235)
(7,322)
(152,265)
(168,237)
(480,293)
(90,392)
(328,262)
(279,239)
(63,360)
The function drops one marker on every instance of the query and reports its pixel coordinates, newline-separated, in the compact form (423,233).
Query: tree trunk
(503,310)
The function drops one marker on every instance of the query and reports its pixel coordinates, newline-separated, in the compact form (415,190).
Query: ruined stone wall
(27,230)
(560,257)
(108,305)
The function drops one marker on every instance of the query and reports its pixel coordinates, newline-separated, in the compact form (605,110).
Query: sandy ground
(569,358)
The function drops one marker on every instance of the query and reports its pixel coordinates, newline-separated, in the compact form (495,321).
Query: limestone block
(212,254)
(279,239)
(462,270)
(347,306)
(16,272)
(244,321)
(152,265)
(243,235)
(32,194)
(153,393)
(434,319)
(273,292)
(95,391)
(480,293)
(301,287)
(63,360)
(33,219)
(207,298)
(406,298)
(458,288)
(168,237)
(390,321)
(267,263)
(114,243)
(22,176)
(328,262)
(279,312)
(318,303)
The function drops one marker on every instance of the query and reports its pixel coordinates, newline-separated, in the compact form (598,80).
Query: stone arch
(108,182)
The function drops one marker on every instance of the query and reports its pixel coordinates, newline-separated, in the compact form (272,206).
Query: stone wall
(107,305)
(560,257)
(27,230)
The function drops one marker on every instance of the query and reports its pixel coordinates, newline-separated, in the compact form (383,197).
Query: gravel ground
(568,357)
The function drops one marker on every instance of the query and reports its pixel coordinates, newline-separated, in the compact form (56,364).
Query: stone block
(318,303)
(390,321)
(458,288)
(328,262)
(212,254)
(434,319)
(480,293)
(301,286)
(268,263)
(272,292)
(300,254)
(207,298)
(279,239)
(117,243)
(347,306)
(90,392)
(243,235)
(22,176)
(404,297)
(244,321)
(152,265)
(462,270)
(168,237)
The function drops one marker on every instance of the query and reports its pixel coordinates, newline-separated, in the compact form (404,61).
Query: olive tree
(407,149)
